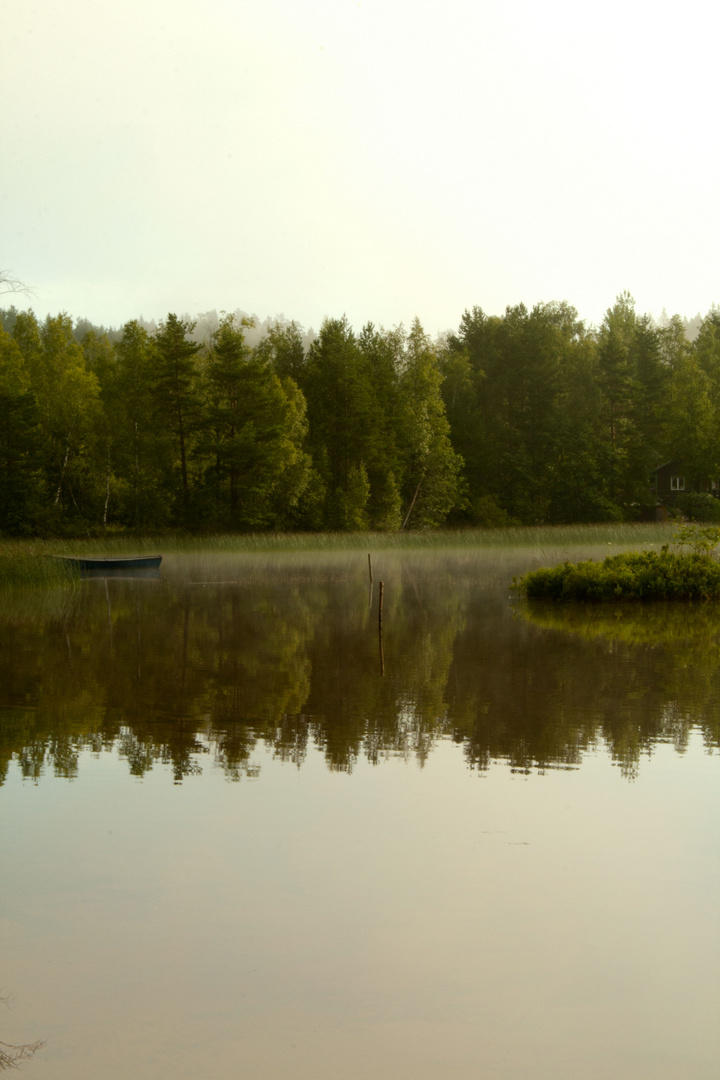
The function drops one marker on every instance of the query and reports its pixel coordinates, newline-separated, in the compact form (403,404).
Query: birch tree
(431,481)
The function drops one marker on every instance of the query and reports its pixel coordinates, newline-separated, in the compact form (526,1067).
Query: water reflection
(202,665)
(673,651)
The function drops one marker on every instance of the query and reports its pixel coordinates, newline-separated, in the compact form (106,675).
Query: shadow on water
(222,653)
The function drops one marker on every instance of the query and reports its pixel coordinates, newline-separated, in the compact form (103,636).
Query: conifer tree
(257,422)
(176,393)
(337,386)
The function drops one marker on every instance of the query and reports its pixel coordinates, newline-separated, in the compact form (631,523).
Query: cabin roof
(672,461)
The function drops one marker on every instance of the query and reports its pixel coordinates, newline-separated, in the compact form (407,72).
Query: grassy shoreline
(27,563)
(517,536)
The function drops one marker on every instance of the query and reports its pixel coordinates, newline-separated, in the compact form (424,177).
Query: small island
(692,574)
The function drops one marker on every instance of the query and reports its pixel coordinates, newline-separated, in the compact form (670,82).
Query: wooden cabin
(672,480)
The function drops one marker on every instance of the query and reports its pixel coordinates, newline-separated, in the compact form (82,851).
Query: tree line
(529,417)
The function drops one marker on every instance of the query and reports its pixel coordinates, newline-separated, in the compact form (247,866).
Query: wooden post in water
(370,567)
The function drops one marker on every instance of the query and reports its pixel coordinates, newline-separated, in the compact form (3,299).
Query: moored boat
(102,565)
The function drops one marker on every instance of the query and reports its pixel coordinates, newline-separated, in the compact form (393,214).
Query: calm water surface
(242,836)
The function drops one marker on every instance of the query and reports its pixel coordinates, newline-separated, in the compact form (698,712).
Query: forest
(532,417)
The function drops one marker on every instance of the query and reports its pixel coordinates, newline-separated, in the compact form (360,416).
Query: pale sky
(381,159)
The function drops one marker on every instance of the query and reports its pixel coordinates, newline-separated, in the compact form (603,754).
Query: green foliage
(646,575)
(510,539)
(256,430)
(338,389)
(177,397)
(431,486)
(386,510)
(69,412)
(697,505)
(485,512)
(24,567)
(20,442)
(282,348)
(522,398)
(352,500)
(702,541)
(557,423)
(142,448)
(529,417)
(382,455)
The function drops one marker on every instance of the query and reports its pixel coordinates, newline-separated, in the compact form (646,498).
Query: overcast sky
(382,158)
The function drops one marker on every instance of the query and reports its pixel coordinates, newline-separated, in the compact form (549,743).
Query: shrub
(645,575)
(698,506)
(702,541)
(485,512)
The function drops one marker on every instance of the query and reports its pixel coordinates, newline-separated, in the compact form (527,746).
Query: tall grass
(25,564)
(30,562)
(519,536)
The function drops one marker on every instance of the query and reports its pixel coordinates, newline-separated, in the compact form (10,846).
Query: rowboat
(104,565)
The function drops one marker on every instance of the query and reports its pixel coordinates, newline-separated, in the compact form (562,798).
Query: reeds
(518,536)
(29,562)
(24,564)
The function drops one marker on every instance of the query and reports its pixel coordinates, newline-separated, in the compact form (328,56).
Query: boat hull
(99,566)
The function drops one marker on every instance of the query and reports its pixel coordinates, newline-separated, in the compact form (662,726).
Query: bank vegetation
(220,425)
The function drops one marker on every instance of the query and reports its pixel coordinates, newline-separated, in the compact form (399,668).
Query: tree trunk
(137,477)
(107,488)
(183,468)
(410,510)
(62,475)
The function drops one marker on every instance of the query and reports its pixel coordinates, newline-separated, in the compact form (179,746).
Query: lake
(246,835)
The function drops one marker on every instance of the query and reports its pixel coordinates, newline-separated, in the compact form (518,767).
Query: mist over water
(252,836)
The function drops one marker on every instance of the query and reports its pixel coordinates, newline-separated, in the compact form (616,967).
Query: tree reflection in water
(187,673)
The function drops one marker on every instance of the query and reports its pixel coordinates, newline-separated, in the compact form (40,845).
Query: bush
(645,575)
(698,506)
(485,513)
